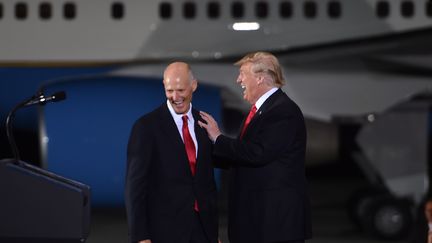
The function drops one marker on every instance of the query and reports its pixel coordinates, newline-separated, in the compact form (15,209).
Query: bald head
(179,85)
(178,70)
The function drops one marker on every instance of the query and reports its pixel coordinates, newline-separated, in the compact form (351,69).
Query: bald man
(170,189)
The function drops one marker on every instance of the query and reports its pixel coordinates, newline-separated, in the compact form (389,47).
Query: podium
(40,206)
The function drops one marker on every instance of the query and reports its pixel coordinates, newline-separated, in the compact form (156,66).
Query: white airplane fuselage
(324,83)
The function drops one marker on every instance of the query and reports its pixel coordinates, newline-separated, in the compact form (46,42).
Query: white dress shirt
(179,122)
(264,97)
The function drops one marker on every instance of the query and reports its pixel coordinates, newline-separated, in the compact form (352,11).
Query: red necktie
(189,145)
(248,119)
(190,150)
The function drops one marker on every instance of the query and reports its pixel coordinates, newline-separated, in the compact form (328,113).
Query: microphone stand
(9,132)
(9,129)
(38,99)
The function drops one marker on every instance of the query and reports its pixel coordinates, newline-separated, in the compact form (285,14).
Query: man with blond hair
(268,200)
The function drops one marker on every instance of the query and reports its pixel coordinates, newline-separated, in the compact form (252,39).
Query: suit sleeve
(273,139)
(139,154)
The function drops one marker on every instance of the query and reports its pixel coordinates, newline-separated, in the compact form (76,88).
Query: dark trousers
(198,235)
(291,241)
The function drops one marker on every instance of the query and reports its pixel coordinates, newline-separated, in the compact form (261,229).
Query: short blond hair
(264,62)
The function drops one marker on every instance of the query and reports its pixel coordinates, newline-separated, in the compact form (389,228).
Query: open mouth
(244,88)
(178,104)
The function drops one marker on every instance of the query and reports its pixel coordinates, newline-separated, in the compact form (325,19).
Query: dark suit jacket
(268,199)
(160,188)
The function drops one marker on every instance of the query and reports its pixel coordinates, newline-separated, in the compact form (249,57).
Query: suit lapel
(267,104)
(271,101)
(263,109)
(169,129)
(200,137)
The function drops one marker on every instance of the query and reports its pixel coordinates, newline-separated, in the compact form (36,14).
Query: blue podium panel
(85,136)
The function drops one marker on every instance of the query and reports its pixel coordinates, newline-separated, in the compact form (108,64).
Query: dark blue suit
(268,199)
(160,188)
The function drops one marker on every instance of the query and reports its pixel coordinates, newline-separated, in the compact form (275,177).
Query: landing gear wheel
(388,218)
(359,203)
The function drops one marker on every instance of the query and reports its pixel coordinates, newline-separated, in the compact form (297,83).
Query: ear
(194,85)
(260,79)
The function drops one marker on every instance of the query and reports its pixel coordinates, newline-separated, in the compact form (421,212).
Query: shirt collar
(178,117)
(264,97)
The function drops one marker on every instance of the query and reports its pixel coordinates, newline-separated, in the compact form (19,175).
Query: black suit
(160,188)
(268,190)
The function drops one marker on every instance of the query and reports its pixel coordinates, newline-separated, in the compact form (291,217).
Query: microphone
(42,99)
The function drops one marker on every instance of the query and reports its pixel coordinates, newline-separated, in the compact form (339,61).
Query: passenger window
(69,11)
(382,9)
(117,10)
(237,10)
(213,10)
(45,11)
(165,10)
(334,9)
(261,9)
(189,10)
(429,8)
(407,9)
(310,9)
(21,11)
(285,9)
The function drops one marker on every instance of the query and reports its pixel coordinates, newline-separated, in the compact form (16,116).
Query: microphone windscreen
(59,96)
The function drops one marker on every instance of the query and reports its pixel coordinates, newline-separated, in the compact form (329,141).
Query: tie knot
(253,109)
(185,118)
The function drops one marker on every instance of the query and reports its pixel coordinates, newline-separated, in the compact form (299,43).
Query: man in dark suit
(268,200)
(170,188)
(422,229)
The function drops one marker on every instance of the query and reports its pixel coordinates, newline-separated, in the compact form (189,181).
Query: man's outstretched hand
(210,125)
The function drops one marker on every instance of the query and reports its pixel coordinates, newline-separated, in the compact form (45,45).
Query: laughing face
(179,87)
(249,83)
